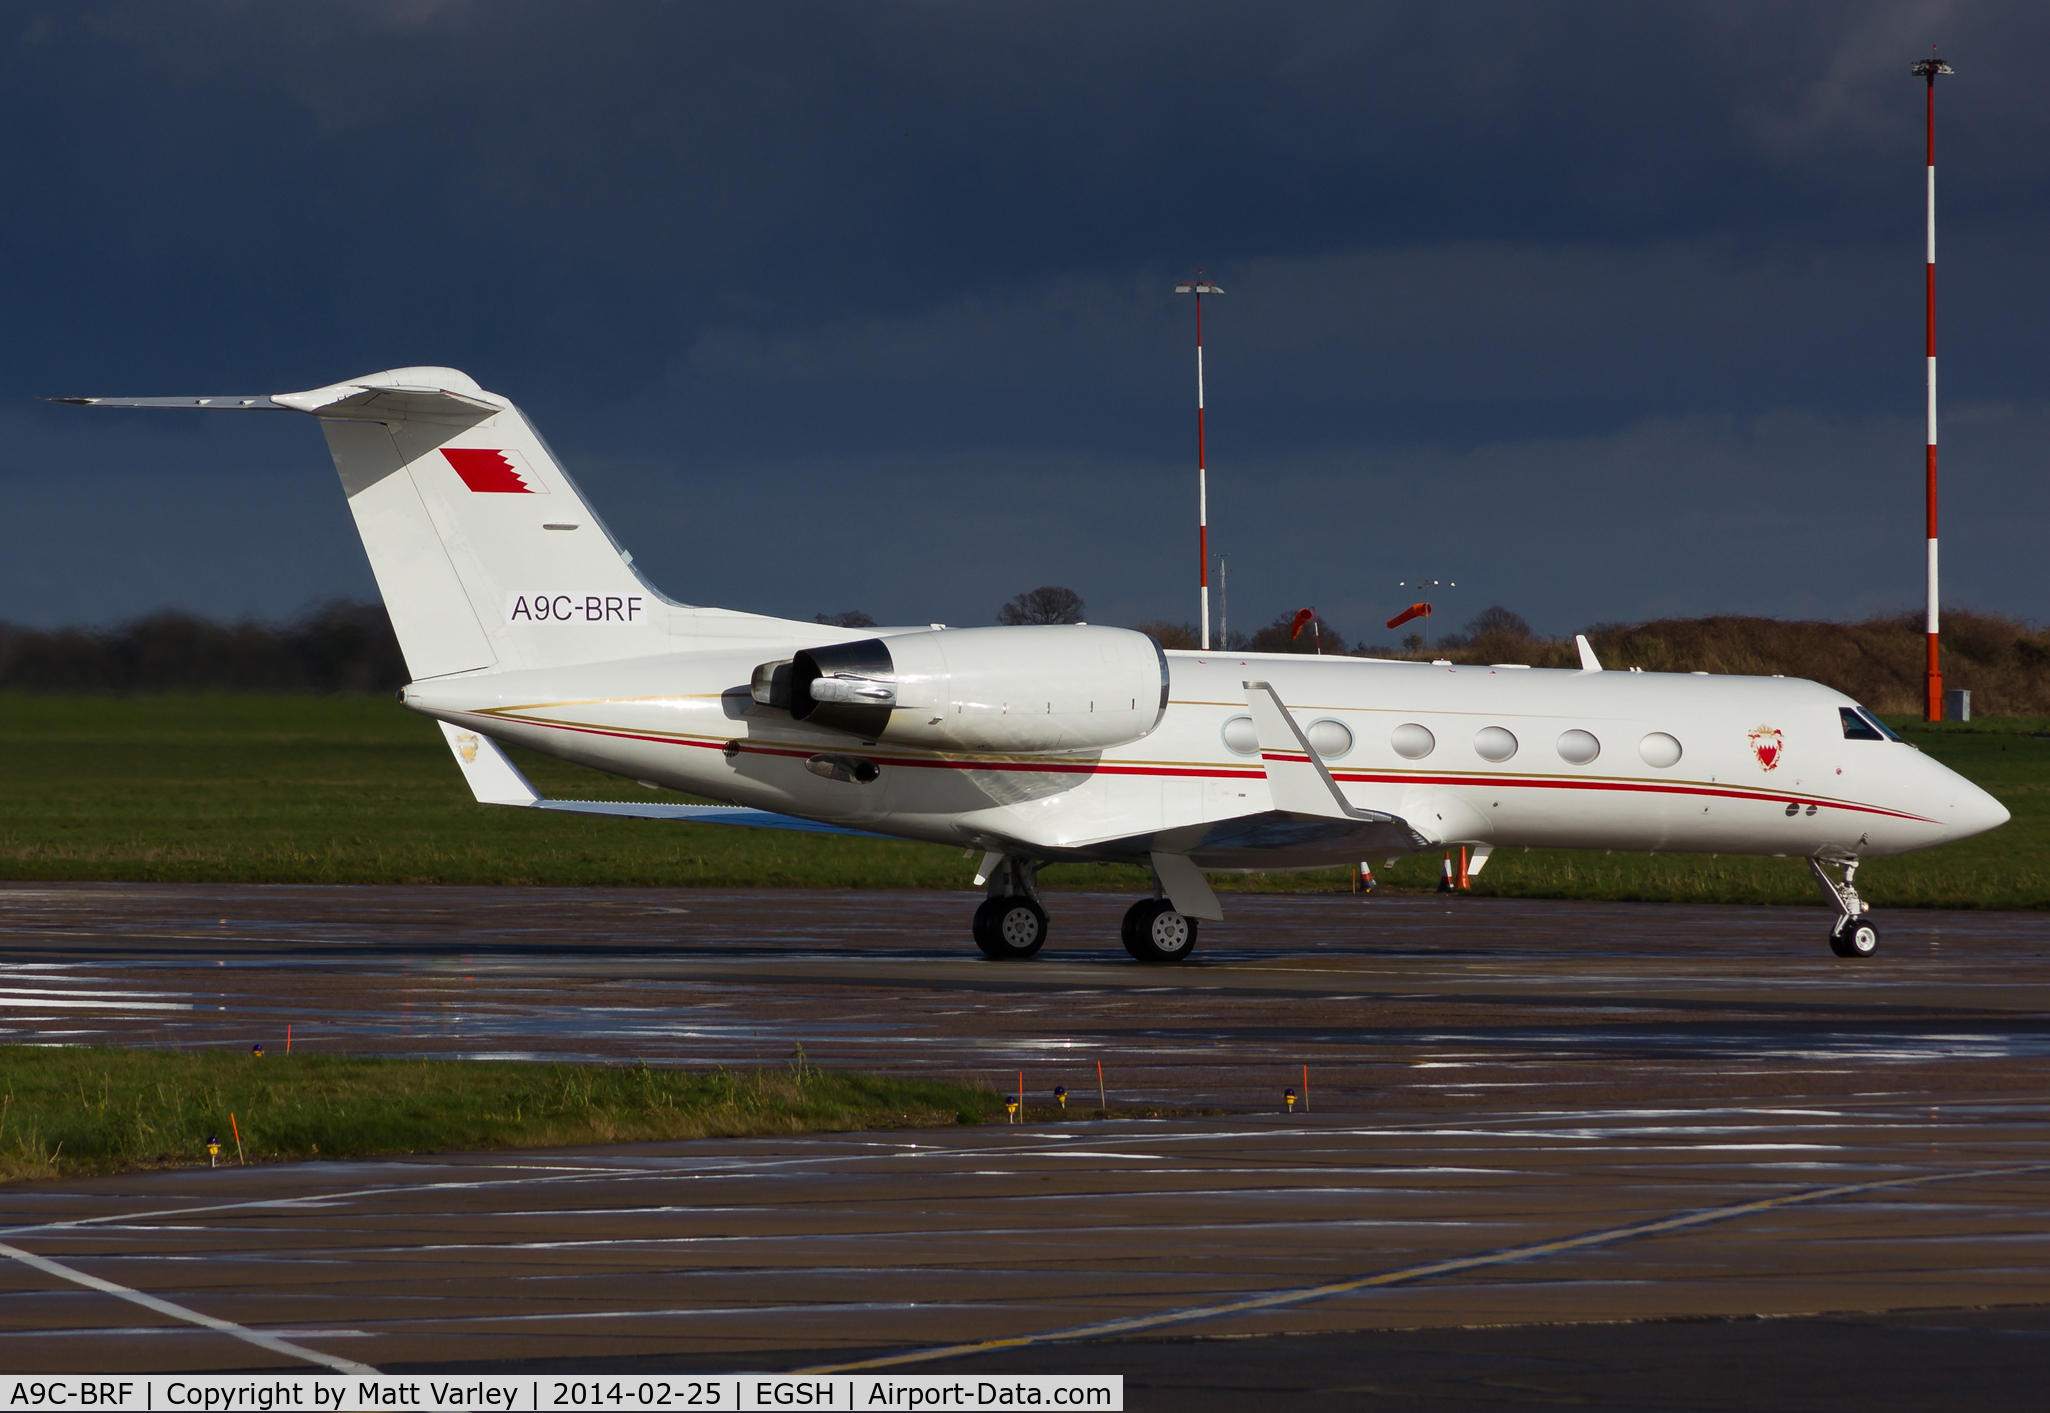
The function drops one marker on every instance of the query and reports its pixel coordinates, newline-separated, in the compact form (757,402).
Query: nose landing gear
(1854,939)
(1851,935)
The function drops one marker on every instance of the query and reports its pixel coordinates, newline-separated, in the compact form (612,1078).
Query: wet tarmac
(1593,1119)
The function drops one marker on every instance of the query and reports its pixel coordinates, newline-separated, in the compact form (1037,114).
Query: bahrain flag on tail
(505,472)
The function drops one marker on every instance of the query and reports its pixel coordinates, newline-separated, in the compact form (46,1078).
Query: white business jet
(523,620)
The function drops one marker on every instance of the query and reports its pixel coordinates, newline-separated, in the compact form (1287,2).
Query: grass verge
(285,789)
(67,1111)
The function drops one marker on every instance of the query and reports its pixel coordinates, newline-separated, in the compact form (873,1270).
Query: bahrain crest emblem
(1768,746)
(467,745)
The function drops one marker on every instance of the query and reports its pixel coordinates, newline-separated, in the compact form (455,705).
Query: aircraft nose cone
(1976,812)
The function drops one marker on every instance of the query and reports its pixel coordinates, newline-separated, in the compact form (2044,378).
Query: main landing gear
(1155,932)
(1851,935)
(1009,928)
(1011,925)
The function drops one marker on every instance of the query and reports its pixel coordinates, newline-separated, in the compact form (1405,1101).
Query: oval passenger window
(1659,749)
(1329,738)
(1411,741)
(1239,736)
(1495,744)
(1578,747)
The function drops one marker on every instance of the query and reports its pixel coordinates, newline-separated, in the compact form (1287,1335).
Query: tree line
(345,646)
(337,647)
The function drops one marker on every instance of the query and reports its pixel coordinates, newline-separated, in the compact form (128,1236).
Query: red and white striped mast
(1927,70)
(1199,289)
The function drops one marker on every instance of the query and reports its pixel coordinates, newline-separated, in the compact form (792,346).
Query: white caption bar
(337,1393)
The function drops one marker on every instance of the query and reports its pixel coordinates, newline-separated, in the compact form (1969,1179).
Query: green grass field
(70,1110)
(357,790)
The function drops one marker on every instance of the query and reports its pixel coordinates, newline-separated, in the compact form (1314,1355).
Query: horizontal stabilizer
(495,780)
(356,402)
(207,404)
(348,401)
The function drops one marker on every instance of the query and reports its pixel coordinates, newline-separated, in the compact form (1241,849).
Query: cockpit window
(1863,726)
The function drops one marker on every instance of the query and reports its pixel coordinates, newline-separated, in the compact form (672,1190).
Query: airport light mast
(1927,70)
(1199,289)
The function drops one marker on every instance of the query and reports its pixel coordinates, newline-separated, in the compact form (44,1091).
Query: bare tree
(852,618)
(1497,619)
(1046,604)
(1168,635)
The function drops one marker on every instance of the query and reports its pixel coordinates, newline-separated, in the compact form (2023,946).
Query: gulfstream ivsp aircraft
(523,620)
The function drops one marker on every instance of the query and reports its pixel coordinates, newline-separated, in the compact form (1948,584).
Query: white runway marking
(1404,1275)
(179,1312)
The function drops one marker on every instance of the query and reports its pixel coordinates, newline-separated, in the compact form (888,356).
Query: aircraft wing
(1296,778)
(495,780)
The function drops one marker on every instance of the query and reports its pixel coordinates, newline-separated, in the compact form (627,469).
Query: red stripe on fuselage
(1510,782)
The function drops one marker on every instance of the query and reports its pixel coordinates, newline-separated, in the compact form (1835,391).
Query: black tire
(1010,929)
(1155,933)
(1854,937)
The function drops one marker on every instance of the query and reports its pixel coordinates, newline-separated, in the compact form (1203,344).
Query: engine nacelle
(1022,690)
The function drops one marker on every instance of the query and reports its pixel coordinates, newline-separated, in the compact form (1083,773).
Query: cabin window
(1859,727)
(1329,739)
(1494,743)
(1659,750)
(1411,741)
(1240,737)
(1578,747)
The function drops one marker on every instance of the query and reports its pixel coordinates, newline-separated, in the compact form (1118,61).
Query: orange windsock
(1415,610)
(1302,621)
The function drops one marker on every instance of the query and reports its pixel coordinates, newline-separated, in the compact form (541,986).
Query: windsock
(1302,621)
(1415,610)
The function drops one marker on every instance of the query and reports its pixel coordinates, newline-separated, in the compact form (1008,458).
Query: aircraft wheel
(1010,929)
(1857,938)
(1155,932)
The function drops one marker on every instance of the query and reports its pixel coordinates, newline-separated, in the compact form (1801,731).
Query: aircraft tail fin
(486,553)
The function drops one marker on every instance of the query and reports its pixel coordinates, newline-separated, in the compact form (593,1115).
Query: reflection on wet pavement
(1483,1074)
(1376,994)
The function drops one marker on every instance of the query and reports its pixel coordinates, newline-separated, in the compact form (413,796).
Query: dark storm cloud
(1510,286)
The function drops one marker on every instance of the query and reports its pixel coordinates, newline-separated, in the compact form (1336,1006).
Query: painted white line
(179,1312)
(1406,1274)
(111,1003)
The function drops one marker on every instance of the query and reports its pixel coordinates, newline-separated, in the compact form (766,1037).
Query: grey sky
(1604,310)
